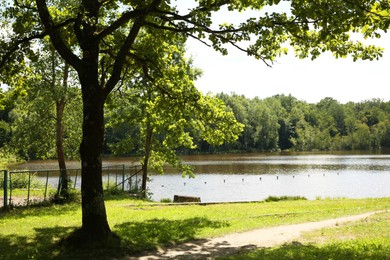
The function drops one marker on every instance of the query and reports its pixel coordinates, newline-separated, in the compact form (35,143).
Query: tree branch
(122,54)
(55,36)
(126,17)
(27,39)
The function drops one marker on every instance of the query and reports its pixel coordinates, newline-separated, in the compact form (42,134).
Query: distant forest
(283,122)
(278,123)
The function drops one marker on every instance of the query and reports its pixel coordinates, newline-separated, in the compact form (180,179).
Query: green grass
(364,239)
(35,232)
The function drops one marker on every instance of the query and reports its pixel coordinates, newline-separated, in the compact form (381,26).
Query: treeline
(285,123)
(272,124)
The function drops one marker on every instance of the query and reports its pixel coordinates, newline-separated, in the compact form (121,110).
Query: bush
(112,188)
(284,198)
(20,180)
(70,196)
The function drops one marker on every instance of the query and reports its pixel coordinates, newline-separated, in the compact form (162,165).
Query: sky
(307,80)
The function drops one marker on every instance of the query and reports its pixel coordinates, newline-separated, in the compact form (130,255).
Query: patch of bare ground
(241,242)
(21,201)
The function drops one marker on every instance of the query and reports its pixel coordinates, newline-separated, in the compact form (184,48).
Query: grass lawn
(365,239)
(35,232)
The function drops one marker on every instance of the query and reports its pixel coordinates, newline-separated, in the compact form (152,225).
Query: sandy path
(267,237)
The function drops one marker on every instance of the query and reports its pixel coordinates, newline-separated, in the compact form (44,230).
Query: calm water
(257,176)
(248,177)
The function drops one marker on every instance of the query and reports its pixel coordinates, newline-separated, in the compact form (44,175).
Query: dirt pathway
(229,244)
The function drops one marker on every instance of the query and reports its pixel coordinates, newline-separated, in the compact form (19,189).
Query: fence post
(5,189)
(28,188)
(75,179)
(10,188)
(47,182)
(123,177)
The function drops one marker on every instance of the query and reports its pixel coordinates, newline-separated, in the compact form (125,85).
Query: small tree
(39,130)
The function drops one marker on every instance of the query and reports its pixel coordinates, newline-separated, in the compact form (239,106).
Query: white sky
(341,79)
(311,81)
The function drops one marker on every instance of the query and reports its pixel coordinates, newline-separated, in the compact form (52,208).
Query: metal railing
(26,187)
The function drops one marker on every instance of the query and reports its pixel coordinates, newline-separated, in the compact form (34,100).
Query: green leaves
(311,27)
(45,86)
(163,101)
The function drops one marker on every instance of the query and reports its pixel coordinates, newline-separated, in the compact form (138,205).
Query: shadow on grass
(42,245)
(343,250)
(135,237)
(148,235)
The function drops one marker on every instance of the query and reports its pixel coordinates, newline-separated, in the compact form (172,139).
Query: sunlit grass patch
(336,251)
(365,239)
(375,229)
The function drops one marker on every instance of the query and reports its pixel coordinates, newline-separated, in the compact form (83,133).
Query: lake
(250,177)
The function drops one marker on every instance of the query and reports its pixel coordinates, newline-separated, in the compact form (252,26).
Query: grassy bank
(364,239)
(35,232)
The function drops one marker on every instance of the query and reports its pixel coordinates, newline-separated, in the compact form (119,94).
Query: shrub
(70,196)
(284,198)
(166,200)
(20,180)
(112,188)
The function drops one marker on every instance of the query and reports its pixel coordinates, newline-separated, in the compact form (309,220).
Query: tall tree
(99,40)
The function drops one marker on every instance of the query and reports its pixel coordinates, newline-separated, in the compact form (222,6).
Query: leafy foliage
(161,111)
(35,113)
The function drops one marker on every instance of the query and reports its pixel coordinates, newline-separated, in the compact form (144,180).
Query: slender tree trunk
(60,106)
(148,149)
(64,183)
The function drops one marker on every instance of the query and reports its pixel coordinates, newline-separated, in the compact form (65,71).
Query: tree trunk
(94,218)
(64,182)
(148,149)
(60,106)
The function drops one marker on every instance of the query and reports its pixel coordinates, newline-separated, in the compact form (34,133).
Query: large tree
(98,38)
